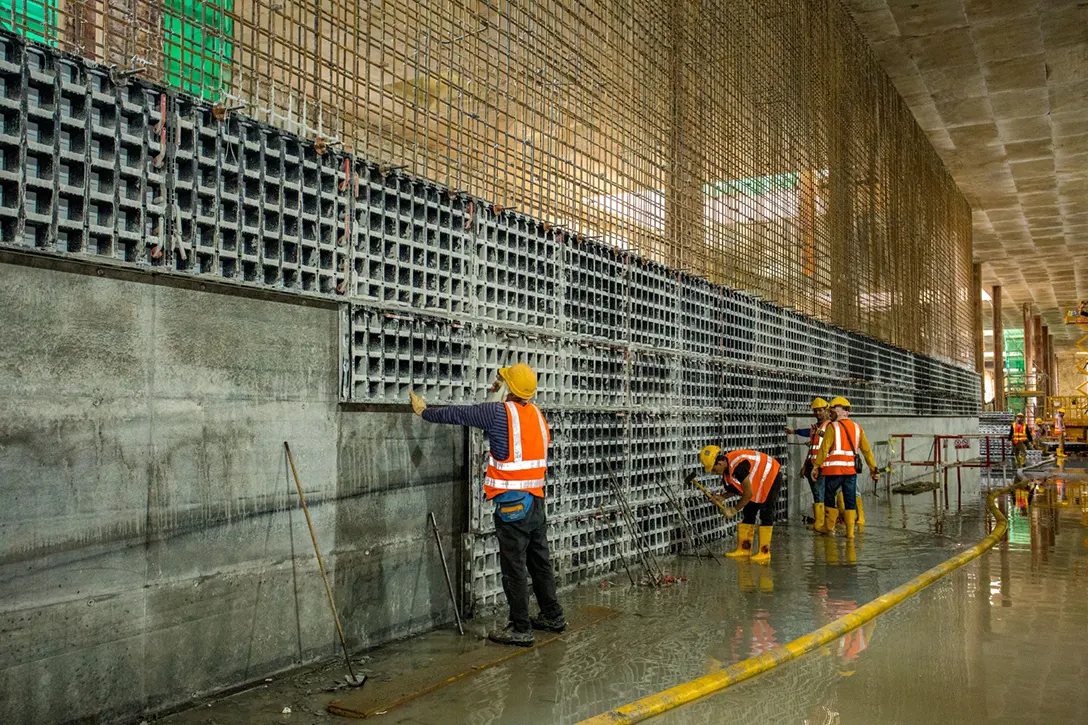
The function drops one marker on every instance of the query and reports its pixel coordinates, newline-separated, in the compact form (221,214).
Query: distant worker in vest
(758,479)
(814,433)
(518,437)
(838,461)
(1059,429)
(1037,432)
(1020,435)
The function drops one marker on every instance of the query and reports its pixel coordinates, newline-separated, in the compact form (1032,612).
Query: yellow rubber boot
(764,555)
(851,552)
(817,516)
(745,532)
(831,517)
(861,514)
(851,519)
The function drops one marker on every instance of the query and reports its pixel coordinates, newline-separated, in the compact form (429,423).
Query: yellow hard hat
(835,402)
(521,379)
(1019,415)
(818,404)
(1061,410)
(709,456)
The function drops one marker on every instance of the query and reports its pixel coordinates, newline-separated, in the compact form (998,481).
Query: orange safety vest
(764,471)
(815,438)
(527,462)
(1019,433)
(840,459)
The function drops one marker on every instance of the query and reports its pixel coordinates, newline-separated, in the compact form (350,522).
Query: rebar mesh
(753,142)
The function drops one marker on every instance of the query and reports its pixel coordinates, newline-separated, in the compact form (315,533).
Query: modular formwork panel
(640,364)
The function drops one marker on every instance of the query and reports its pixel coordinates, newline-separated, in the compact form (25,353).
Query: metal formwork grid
(640,364)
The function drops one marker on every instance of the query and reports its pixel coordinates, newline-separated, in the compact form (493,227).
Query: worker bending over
(814,433)
(838,461)
(1020,435)
(518,437)
(758,478)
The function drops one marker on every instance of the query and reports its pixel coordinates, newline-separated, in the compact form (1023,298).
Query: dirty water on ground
(725,612)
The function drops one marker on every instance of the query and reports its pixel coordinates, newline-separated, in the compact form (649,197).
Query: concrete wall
(878,429)
(152,544)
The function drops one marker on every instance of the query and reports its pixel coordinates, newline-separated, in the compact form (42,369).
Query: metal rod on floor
(321,565)
(446,570)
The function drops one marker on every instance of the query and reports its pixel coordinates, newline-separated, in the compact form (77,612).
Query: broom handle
(320,563)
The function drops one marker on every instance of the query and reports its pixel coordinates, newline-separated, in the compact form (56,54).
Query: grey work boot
(507,635)
(551,624)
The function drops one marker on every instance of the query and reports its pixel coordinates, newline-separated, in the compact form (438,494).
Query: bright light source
(986,296)
(987,333)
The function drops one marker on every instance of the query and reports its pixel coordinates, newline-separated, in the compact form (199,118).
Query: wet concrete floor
(993,642)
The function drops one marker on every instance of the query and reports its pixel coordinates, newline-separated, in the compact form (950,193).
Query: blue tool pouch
(513,505)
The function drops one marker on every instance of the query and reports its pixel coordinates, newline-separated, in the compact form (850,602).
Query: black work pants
(523,553)
(764,510)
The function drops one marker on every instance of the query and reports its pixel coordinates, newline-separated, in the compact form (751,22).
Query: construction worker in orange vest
(1020,435)
(839,504)
(758,478)
(518,437)
(1037,432)
(839,462)
(814,433)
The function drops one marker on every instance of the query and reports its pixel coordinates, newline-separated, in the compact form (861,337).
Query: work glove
(729,511)
(875,475)
(418,404)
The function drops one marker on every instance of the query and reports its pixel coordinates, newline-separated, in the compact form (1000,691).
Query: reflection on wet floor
(975,647)
(998,641)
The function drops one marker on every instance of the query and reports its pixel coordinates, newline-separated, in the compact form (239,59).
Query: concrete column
(980,347)
(1052,358)
(999,351)
(1037,344)
(1029,353)
(1044,358)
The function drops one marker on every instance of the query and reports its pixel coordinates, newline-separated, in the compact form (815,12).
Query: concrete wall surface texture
(152,543)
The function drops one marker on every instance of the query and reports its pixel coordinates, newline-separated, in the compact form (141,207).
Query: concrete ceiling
(1001,88)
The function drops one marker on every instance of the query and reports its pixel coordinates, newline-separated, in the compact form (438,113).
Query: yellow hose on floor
(682,694)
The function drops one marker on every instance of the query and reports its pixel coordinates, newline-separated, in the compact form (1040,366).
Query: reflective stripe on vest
(840,460)
(527,462)
(763,472)
(815,438)
(1059,424)
(1019,433)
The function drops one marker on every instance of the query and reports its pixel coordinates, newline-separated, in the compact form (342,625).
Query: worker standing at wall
(1020,435)
(814,433)
(1037,433)
(839,462)
(758,478)
(1059,429)
(518,437)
